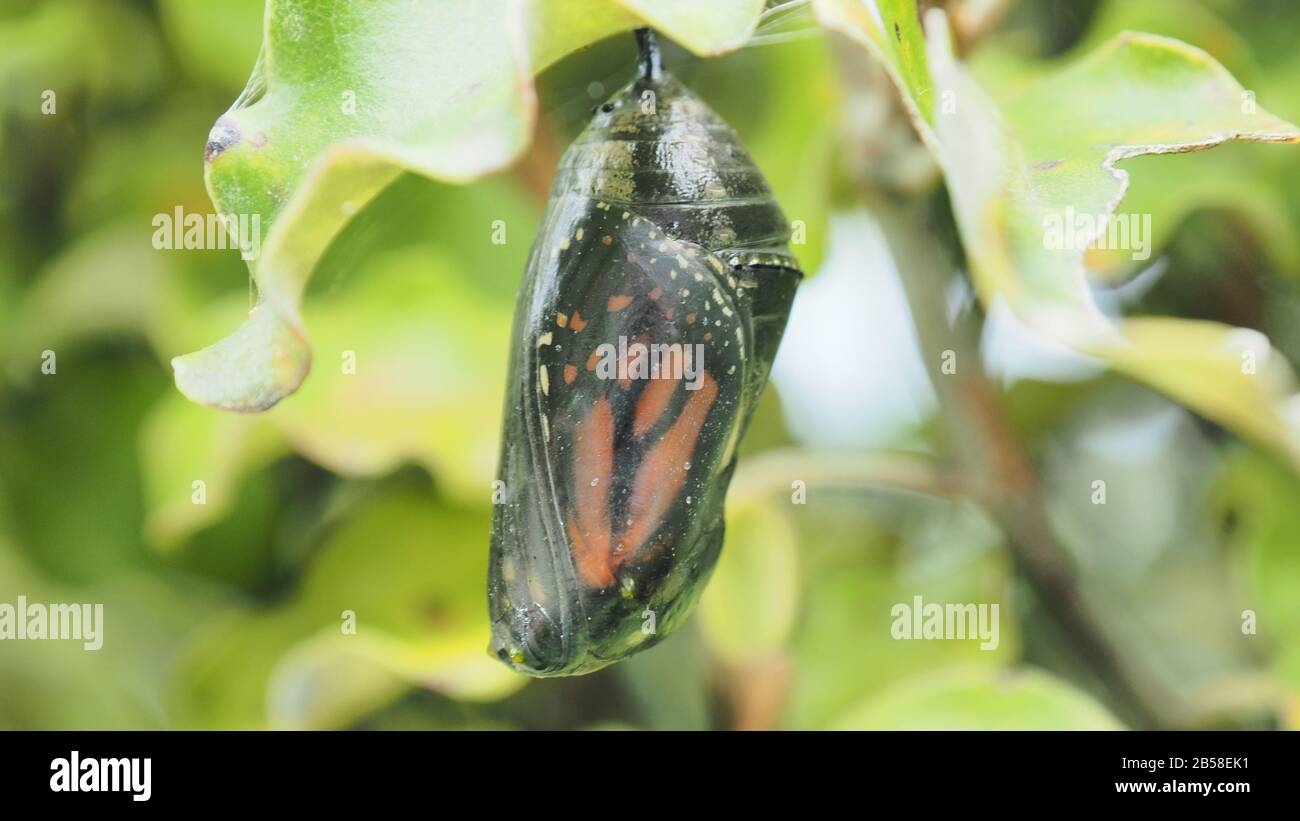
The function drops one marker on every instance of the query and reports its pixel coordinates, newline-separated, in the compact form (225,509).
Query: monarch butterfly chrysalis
(655,297)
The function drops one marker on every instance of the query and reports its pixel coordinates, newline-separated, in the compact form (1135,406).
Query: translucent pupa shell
(653,303)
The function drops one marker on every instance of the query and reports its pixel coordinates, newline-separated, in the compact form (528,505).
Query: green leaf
(1190,21)
(411,372)
(52,463)
(331,681)
(410,570)
(73,301)
(1051,154)
(1150,562)
(349,96)
(1057,149)
(1250,182)
(859,556)
(894,39)
(182,443)
(1234,180)
(60,685)
(708,29)
(344,98)
(1230,375)
(669,683)
(328,682)
(979,699)
(413,333)
(1260,495)
(749,608)
(104,47)
(266,359)
(557,27)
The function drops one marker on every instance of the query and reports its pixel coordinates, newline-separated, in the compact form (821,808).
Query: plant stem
(979,435)
(772,471)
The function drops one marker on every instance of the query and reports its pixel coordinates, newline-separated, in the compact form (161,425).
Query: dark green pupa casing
(660,230)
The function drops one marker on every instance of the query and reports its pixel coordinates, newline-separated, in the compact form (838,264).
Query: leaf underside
(1052,152)
(347,96)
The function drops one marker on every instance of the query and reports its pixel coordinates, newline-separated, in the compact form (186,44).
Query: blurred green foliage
(369,493)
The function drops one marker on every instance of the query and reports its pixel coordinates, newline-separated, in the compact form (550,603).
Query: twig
(773,470)
(980,437)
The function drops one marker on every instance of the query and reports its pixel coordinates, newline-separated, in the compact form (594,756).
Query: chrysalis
(655,297)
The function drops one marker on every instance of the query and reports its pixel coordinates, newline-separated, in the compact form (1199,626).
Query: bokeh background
(370,492)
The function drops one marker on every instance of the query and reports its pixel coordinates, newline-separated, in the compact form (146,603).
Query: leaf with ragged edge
(345,97)
(1054,147)
(1249,182)
(1246,182)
